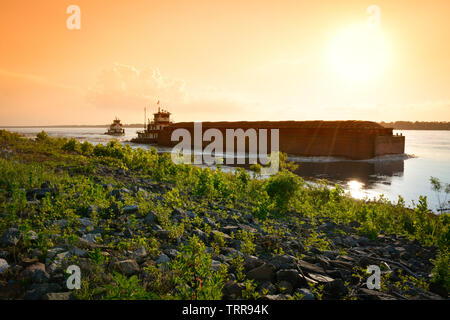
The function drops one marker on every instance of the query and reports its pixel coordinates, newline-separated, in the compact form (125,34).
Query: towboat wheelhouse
(161,119)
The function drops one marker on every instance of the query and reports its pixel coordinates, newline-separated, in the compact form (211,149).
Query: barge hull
(356,140)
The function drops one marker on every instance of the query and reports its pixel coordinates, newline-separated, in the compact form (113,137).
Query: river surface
(427,154)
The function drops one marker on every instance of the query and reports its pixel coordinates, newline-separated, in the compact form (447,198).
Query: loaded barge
(356,140)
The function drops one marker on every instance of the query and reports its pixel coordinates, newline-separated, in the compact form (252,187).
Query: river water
(427,153)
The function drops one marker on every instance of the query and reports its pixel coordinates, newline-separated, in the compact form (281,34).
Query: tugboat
(116,129)
(149,135)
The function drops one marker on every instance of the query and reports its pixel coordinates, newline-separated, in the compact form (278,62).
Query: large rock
(267,287)
(36,272)
(310,268)
(140,253)
(78,252)
(51,253)
(171,253)
(58,296)
(336,288)
(284,261)
(364,261)
(215,265)
(320,278)
(306,294)
(10,237)
(162,260)
(296,246)
(217,233)
(368,294)
(191,214)
(232,290)
(328,226)
(162,234)
(61,223)
(252,262)
(130,209)
(438,289)
(363,241)
(38,290)
(230,229)
(200,234)
(341,264)
(86,222)
(4,266)
(349,241)
(265,272)
(178,215)
(119,194)
(209,221)
(91,237)
(285,287)
(151,218)
(38,193)
(290,275)
(127,267)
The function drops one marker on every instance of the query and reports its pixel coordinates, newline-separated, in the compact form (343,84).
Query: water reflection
(367,173)
(355,188)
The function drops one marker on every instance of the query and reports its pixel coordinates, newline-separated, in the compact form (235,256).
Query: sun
(358,53)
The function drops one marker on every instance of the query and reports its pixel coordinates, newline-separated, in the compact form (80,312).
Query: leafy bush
(87,148)
(126,289)
(247,241)
(72,146)
(204,184)
(441,272)
(23,175)
(193,276)
(42,136)
(282,188)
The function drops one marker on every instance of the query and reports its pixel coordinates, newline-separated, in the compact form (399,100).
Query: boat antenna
(145,117)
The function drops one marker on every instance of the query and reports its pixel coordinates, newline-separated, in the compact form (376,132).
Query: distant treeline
(418,125)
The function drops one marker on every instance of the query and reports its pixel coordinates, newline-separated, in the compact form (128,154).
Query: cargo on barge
(357,140)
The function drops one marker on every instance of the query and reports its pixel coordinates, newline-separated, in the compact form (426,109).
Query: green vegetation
(85,181)
(441,272)
(193,277)
(124,288)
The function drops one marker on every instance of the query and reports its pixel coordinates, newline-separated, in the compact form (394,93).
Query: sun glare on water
(358,53)
(355,189)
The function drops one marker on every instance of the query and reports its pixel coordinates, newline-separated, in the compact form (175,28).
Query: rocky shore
(146,239)
(299,270)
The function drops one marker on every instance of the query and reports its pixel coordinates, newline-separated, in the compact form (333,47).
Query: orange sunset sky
(224,60)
